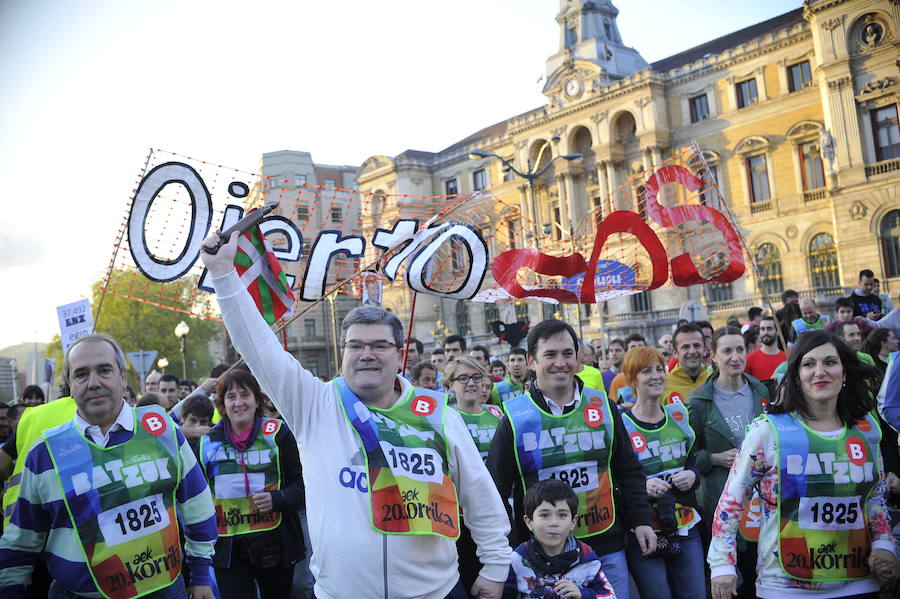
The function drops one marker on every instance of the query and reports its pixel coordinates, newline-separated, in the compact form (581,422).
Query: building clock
(573,87)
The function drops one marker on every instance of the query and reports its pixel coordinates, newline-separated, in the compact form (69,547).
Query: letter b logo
(153,424)
(638,441)
(593,416)
(270,427)
(856,450)
(423,405)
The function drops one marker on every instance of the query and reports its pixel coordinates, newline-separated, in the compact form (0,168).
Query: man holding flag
(389,464)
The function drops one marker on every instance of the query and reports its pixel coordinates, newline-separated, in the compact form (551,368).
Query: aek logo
(593,416)
(423,405)
(153,424)
(638,441)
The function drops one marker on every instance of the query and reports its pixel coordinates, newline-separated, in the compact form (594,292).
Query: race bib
(831,513)
(418,463)
(133,520)
(581,476)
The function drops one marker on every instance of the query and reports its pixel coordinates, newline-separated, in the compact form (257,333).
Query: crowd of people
(757,459)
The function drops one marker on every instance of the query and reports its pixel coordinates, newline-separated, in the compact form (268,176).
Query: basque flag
(261,272)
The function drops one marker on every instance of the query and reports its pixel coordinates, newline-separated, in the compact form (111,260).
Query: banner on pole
(75,322)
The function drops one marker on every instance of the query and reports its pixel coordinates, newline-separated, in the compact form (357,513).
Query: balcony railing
(826,294)
(760,206)
(816,194)
(885,166)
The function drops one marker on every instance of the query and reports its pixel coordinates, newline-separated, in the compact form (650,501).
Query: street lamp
(529,175)
(181,331)
(161,364)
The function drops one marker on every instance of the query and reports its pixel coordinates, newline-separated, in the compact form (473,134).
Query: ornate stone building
(796,116)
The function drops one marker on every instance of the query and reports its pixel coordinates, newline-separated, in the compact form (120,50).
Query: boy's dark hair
(168,378)
(218,370)
(456,339)
(438,351)
(551,491)
(519,351)
(418,367)
(498,364)
(484,352)
(546,329)
(843,302)
(33,391)
(151,398)
(200,407)
(866,273)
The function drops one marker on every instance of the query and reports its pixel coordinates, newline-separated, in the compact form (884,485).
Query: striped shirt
(40,522)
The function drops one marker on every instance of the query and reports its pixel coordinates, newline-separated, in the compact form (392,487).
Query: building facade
(796,117)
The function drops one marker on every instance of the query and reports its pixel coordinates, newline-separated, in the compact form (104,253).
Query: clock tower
(591,53)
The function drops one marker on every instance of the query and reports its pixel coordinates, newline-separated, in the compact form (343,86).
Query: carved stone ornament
(791,232)
(558,132)
(752,144)
(522,144)
(832,23)
(872,32)
(858,210)
(599,116)
(839,83)
(877,86)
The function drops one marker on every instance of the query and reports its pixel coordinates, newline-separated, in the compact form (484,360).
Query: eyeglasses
(465,378)
(377,347)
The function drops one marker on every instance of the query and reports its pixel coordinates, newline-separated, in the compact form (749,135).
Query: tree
(139,325)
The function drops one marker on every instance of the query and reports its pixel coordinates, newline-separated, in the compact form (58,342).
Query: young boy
(196,417)
(553,563)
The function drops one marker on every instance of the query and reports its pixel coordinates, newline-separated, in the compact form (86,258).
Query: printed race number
(418,463)
(831,513)
(133,520)
(581,476)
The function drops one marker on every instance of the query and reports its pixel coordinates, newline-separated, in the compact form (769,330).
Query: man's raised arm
(292,388)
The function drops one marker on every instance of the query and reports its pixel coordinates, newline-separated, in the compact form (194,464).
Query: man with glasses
(386,465)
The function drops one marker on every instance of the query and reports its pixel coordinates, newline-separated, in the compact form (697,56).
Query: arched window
(768,260)
(889,235)
(823,262)
(463,327)
(491,313)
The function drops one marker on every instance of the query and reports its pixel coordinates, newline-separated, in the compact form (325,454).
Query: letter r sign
(153,424)
(423,405)
(593,416)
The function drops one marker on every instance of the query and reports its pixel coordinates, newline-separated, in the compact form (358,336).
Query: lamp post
(162,363)
(181,331)
(529,175)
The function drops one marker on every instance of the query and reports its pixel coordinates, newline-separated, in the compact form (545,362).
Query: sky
(90,86)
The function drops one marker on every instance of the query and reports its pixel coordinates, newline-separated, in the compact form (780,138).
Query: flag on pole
(261,272)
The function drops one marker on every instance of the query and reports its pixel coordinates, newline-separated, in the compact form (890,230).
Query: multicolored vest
(506,389)
(232,484)
(663,452)
(801,326)
(824,486)
(405,449)
(121,502)
(482,427)
(575,448)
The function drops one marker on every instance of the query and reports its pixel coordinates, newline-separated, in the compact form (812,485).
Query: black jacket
(289,500)
(629,482)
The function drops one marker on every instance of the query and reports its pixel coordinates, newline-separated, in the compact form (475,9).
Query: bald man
(810,319)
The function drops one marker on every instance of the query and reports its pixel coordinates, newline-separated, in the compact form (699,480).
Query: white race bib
(831,513)
(581,476)
(418,463)
(133,520)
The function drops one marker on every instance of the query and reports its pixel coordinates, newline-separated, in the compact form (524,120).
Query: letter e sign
(153,424)
(423,405)
(593,416)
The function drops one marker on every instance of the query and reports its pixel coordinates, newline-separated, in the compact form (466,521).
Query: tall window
(811,166)
(768,260)
(710,183)
(598,210)
(491,313)
(462,319)
(329,183)
(889,235)
(887,133)
(719,292)
(337,214)
(479,179)
(799,76)
(299,180)
(758,179)
(302,212)
(640,302)
(556,225)
(699,108)
(521,311)
(512,232)
(309,327)
(451,187)
(746,93)
(823,262)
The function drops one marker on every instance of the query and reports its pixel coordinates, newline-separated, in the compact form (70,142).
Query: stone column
(602,179)
(563,202)
(574,211)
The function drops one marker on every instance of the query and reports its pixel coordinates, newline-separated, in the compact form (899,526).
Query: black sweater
(629,482)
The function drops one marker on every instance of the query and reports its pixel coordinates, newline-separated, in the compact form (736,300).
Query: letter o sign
(153,424)
(856,451)
(638,441)
(269,427)
(593,416)
(423,405)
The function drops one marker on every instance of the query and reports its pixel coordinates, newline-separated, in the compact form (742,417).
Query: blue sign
(612,279)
